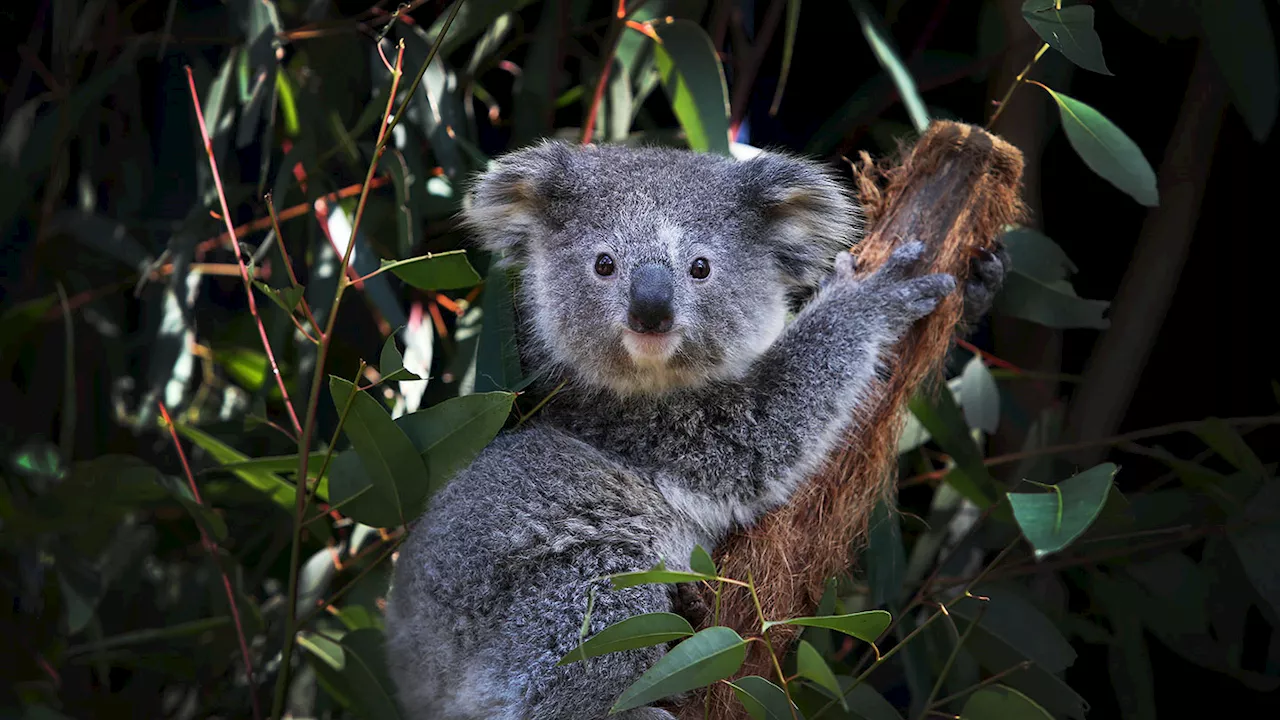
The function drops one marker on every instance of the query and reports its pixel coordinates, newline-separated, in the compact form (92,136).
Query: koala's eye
(700,268)
(604,265)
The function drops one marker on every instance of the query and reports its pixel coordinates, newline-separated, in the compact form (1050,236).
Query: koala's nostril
(652,292)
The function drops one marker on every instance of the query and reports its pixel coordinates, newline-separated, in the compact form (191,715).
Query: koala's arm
(790,411)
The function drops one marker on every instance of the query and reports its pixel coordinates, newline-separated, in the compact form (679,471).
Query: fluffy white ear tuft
(507,206)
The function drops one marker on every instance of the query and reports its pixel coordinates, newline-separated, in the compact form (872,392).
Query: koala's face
(648,270)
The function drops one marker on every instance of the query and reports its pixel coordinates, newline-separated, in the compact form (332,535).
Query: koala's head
(645,269)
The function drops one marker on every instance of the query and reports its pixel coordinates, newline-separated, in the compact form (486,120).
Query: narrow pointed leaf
(391,362)
(1238,34)
(700,561)
(1228,443)
(1069,30)
(634,632)
(979,396)
(1053,520)
(286,298)
(449,435)
(866,626)
(762,699)
(811,666)
(1107,150)
(279,464)
(395,469)
(655,577)
(441,271)
(788,49)
(709,656)
(694,80)
(881,42)
(1002,703)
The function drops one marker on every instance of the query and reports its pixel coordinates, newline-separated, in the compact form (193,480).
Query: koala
(656,285)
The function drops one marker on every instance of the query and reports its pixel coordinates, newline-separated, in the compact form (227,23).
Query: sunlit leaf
(695,85)
(634,632)
(1107,150)
(287,298)
(881,42)
(711,655)
(1052,520)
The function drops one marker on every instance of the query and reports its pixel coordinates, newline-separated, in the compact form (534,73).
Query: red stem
(212,548)
(235,247)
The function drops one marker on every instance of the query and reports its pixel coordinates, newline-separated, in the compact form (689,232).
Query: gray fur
(636,460)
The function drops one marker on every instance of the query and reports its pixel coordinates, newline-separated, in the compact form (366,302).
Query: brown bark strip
(955,190)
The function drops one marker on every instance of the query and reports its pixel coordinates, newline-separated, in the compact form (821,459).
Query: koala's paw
(904,296)
(987,272)
(687,602)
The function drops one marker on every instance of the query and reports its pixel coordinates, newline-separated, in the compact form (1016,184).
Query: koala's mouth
(650,348)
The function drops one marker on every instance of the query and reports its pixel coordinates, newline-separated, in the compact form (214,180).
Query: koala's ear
(509,204)
(810,214)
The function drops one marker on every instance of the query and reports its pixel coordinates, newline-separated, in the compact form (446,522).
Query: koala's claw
(987,273)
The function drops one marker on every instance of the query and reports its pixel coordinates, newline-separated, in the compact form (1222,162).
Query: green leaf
(1051,521)
(324,649)
(280,464)
(365,671)
(709,656)
(277,488)
(939,413)
(1038,289)
(1015,620)
(1107,150)
(440,271)
(396,471)
(1002,703)
(811,666)
(1228,443)
(474,17)
(1257,542)
(287,298)
(886,559)
(497,356)
(151,635)
(1068,30)
(700,561)
(449,435)
(391,362)
(655,577)
(351,493)
(694,81)
(979,396)
(865,703)
(634,632)
(763,699)
(867,626)
(788,49)
(1238,35)
(881,42)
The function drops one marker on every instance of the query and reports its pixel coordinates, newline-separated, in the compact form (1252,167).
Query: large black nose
(652,289)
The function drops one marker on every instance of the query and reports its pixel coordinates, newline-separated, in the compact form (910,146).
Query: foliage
(199,506)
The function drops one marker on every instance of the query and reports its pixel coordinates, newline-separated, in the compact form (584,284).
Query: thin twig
(1016,82)
(978,686)
(212,548)
(288,262)
(244,271)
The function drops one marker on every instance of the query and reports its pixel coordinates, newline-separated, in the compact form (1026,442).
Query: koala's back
(494,578)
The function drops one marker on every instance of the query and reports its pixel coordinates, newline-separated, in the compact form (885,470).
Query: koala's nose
(652,290)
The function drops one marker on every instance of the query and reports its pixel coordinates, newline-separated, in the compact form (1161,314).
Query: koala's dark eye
(700,268)
(604,265)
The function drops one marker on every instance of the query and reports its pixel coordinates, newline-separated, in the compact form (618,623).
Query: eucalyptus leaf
(709,656)
(1069,30)
(391,362)
(631,633)
(1002,703)
(450,434)
(1238,34)
(1053,520)
(762,699)
(1106,149)
(811,666)
(440,271)
(396,471)
(867,626)
(695,85)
